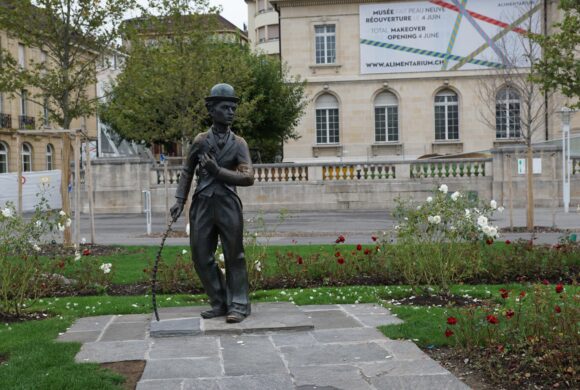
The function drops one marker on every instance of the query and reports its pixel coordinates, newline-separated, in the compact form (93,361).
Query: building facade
(19,111)
(397,80)
(263,27)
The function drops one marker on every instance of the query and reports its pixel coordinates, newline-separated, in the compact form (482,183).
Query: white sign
(536,166)
(435,35)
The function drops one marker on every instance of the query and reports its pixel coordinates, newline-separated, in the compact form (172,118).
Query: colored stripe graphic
(430,53)
(476,15)
(482,33)
(453,35)
(497,37)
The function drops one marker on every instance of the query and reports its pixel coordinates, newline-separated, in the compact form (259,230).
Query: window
(446,116)
(3,158)
(21,56)
(49,157)
(507,114)
(23,103)
(1,103)
(327,120)
(26,157)
(45,113)
(262,34)
(273,32)
(386,118)
(325,43)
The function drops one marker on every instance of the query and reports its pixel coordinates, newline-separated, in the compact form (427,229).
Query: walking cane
(155,266)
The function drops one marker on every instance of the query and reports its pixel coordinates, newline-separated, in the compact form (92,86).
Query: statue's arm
(243,175)
(187,172)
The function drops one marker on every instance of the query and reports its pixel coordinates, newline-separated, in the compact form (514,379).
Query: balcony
(26,122)
(5,121)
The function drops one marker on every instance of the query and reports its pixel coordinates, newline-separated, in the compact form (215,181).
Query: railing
(449,168)
(5,121)
(26,122)
(280,172)
(354,171)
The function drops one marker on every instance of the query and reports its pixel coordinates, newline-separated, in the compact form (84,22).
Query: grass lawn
(36,361)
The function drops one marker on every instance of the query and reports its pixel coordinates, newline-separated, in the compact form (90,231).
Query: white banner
(422,36)
(34,186)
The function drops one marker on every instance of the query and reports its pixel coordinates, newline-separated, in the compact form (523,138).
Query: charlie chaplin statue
(222,160)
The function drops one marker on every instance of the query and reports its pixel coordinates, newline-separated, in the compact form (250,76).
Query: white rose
(258,266)
(455,195)
(493,204)
(500,209)
(486,230)
(429,199)
(482,221)
(60,227)
(83,241)
(77,256)
(62,213)
(436,220)
(36,248)
(430,219)
(443,188)
(467,212)
(493,231)
(106,267)
(184,252)
(68,222)
(7,212)
(38,224)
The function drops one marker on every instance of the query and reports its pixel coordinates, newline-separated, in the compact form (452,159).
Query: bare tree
(513,105)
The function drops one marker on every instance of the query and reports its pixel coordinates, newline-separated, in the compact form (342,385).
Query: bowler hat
(222,92)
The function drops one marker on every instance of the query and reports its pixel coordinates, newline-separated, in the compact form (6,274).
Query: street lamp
(566,163)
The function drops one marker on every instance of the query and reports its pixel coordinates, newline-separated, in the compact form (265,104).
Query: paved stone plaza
(281,346)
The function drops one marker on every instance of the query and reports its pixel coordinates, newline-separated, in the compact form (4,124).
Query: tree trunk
(530,187)
(66,145)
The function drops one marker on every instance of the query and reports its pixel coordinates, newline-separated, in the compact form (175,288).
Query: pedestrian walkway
(281,346)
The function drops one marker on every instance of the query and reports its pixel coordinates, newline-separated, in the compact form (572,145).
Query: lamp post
(566,163)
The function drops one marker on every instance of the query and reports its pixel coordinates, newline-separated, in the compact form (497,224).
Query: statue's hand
(209,163)
(176,210)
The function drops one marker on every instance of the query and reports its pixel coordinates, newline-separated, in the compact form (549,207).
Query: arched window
(446,115)
(49,157)
(327,125)
(507,114)
(386,118)
(3,157)
(26,157)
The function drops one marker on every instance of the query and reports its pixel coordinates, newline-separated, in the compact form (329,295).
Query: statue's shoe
(234,317)
(212,313)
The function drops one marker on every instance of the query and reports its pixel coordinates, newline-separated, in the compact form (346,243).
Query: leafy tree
(173,63)
(559,69)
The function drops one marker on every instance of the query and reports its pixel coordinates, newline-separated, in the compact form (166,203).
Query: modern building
(394,80)
(263,27)
(19,110)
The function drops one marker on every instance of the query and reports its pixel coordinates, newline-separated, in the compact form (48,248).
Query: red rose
(559,288)
(504,293)
(500,348)
(451,320)
(507,242)
(337,254)
(340,260)
(359,247)
(86,252)
(299,260)
(492,319)
(558,309)
(367,251)
(489,241)
(145,270)
(522,294)
(340,239)
(509,314)
(448,333)
(545,282)
(374,238)
(61,264)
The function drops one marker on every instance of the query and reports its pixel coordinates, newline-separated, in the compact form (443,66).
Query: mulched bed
(537,229)
(56,249)
(34,316)
(130,369)
(3,359)
(437,300)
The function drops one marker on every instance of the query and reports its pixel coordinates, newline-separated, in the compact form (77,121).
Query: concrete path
(311,227)
(281,346)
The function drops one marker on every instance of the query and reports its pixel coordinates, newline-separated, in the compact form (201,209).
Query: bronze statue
(222,160)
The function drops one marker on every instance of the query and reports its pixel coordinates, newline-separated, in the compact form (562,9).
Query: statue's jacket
(234,162)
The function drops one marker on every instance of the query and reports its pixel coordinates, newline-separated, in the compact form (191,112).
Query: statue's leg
(203,240)
(231,229)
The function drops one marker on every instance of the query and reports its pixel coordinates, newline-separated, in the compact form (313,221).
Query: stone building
(19,111)
(263,27)
(397,80)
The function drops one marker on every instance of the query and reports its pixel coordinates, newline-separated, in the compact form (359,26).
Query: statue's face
(223,113)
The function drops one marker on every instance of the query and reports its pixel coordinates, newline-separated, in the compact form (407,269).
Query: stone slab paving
(280,347)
